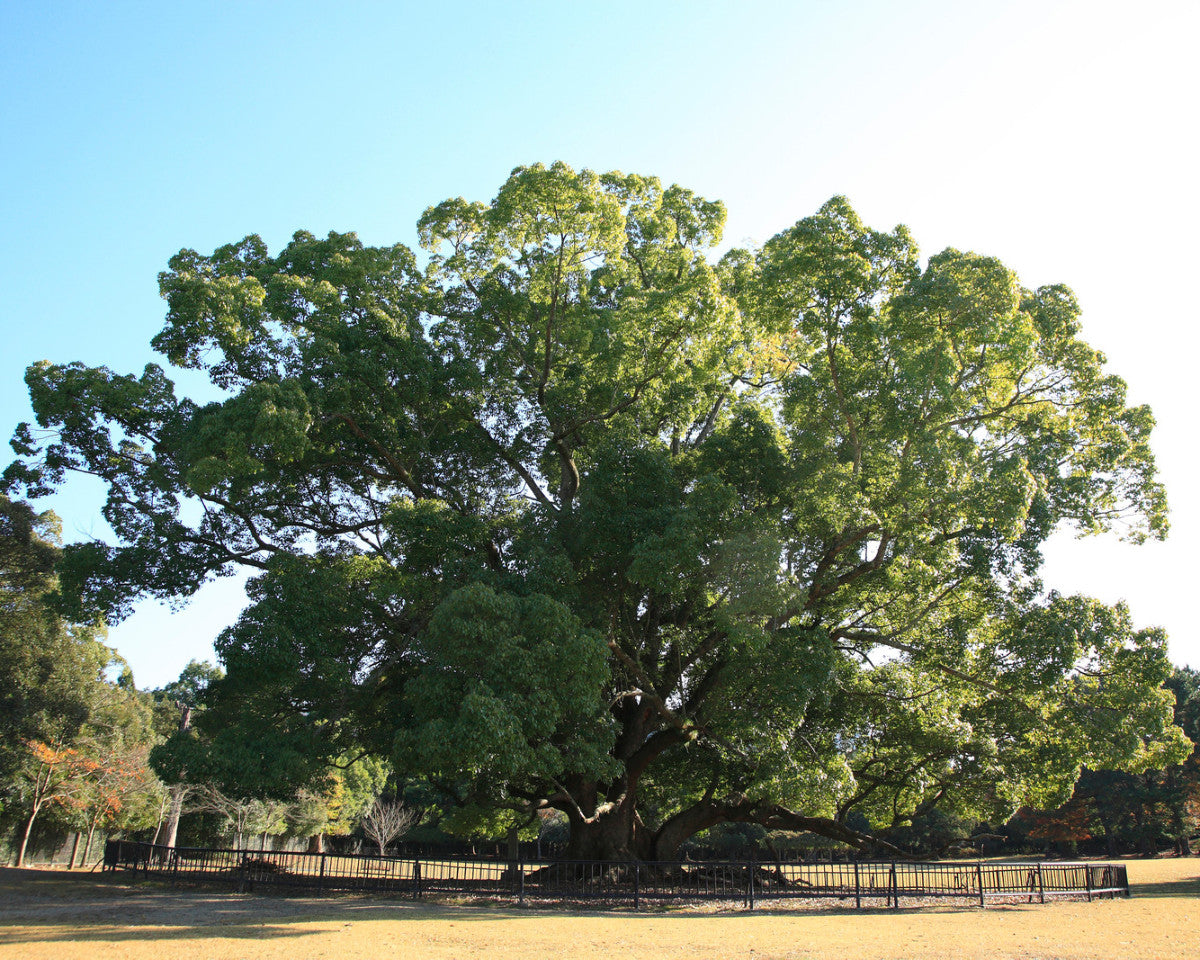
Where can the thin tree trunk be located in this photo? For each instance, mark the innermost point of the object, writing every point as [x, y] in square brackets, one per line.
[162, 815]
[87, 847]
[25, 836]
[74, 850]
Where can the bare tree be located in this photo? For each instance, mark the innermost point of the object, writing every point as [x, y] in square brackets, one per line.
[242, 817]
[384, 822]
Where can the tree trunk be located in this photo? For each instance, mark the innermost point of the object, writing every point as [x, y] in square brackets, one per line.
[87, 847]
[75, 850]
[616, 834]
[25, 836]
[179, 791]
[316, 843]
[514, 845]
[177, 794]
[162, 816]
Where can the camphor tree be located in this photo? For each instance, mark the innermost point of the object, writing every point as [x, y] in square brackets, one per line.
[574, 518]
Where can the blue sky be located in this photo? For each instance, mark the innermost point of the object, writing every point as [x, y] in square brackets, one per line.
[1055, 135]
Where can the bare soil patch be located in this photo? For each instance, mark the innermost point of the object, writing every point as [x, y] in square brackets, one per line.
[61, 915]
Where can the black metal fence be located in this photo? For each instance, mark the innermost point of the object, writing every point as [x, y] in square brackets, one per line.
[745, 881]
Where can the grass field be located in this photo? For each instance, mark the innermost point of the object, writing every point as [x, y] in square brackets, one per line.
[55, 915]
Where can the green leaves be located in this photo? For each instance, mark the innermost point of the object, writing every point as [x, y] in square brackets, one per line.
[572, 516]
[508, 694]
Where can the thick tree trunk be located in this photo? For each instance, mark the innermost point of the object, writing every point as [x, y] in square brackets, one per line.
[608, 837]
[616, 834]
[316, 843]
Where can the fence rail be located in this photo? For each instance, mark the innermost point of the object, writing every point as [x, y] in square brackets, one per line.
[745, 881]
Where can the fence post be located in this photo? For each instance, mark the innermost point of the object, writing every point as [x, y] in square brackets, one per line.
[321, 878]
[416, 879]
[1041, 887]
[979, 881]
[893, 888]
[1087, 878]
[857, 889]
[753, 864]
[637, 883]
[521, 878]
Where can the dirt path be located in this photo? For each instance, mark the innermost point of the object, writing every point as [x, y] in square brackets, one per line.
[53, 914]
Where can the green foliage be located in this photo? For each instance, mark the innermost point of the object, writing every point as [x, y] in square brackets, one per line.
[53, 689]
[1138, 807]
[509, 695]
[50, 669]
[73, 743]
[575, 519]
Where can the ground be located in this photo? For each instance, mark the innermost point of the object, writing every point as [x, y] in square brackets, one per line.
[61, 915]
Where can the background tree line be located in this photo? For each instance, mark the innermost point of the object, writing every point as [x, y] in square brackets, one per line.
[78, 739]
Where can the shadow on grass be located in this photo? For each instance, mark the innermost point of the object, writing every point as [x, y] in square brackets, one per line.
[39, 906]
[1182, 887]
[47, 906]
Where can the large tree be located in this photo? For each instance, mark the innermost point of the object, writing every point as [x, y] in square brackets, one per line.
[574, 517]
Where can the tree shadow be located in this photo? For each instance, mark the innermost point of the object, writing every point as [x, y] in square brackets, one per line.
[50, 906]
[40, 906]
[1181, 887]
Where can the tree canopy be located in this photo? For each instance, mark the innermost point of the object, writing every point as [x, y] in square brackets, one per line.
[575, 517]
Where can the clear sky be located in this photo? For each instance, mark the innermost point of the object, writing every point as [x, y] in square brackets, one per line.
[1058, 136]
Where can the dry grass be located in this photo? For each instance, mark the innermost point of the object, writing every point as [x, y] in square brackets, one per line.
[63, 916]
